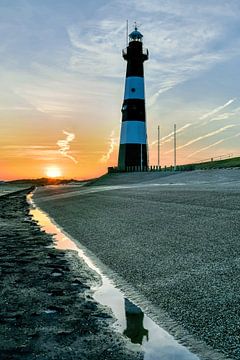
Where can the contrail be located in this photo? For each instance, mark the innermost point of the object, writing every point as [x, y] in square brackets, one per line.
[214, 111]
[154, 97]
[206, 147]
[177, 132]
[203, 137]
[214, 144]
[225, 115]
[112, 143]
[166, 138]
[64, 146]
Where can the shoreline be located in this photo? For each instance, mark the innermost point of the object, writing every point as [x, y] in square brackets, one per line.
[47, 306]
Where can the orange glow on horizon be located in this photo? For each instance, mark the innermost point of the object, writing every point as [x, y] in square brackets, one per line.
[23, 160]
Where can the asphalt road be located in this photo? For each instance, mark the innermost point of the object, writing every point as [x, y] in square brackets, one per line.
[175, 239]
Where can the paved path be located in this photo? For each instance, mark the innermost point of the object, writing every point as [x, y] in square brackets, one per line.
[176, 240]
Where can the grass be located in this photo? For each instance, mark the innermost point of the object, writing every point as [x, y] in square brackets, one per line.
[217, 164]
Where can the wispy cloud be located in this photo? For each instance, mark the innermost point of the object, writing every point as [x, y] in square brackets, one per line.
[64, 146]
[46, 154]
[169, 137]
[16, 108]
[97, 48]
[30, 147]
[185, 8]
[176, 69]
[216, 110]
[36, 152]
[225, 115]
[112, 143]
[173, 60]
[206, 148]
[214, 144]
[199, 138]
[167, 84]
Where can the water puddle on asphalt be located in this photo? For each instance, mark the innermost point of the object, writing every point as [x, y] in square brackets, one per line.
[144, 333]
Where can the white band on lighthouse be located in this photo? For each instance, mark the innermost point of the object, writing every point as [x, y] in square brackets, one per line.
[134, 88]
[133, 132]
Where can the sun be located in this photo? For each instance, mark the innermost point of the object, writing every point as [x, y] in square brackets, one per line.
[53, 171]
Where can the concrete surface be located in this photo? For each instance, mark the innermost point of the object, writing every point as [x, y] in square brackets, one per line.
[175, 239]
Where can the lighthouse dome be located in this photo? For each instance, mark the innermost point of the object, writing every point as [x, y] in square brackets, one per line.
[135, 35]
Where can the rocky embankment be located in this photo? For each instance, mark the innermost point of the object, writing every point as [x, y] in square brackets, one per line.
[47, 311]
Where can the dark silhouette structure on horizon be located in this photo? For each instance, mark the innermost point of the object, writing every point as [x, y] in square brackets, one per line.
[133, 149]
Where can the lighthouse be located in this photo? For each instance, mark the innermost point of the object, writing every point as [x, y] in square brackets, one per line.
[133, 149]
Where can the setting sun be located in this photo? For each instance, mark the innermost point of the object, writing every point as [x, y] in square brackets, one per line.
[53, 172]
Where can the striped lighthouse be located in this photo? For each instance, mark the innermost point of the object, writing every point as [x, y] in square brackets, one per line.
[133, 149]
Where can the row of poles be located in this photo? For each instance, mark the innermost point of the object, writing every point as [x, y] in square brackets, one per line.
[174, 146]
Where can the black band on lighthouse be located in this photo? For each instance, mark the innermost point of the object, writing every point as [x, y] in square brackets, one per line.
[133, 109]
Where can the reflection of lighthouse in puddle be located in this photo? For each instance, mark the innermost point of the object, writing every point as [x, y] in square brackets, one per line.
[134, 317]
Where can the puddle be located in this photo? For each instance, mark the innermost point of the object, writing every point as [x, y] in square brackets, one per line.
[49, 311]
[142, 332]
[56, 274]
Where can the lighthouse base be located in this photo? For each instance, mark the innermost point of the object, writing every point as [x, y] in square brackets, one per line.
[131, 155]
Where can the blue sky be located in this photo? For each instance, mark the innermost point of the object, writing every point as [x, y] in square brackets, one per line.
[61, 70]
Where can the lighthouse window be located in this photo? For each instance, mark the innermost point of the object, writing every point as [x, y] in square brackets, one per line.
[133, 89]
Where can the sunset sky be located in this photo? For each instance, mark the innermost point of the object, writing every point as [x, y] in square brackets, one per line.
[62, 82]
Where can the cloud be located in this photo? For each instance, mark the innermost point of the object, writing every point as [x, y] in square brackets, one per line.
[219, 117]
[212, 133]
[214, 144]
[169, 82]
[15, 108]
[64, 146]
[176, 68]
[37, 153]
[216, 110]
[25, 147]
[96, 50]
[182, 48]
[112, 143]
[225, 115]
[206, 147]
[179, 53]
[187, 8]
[169, 137]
